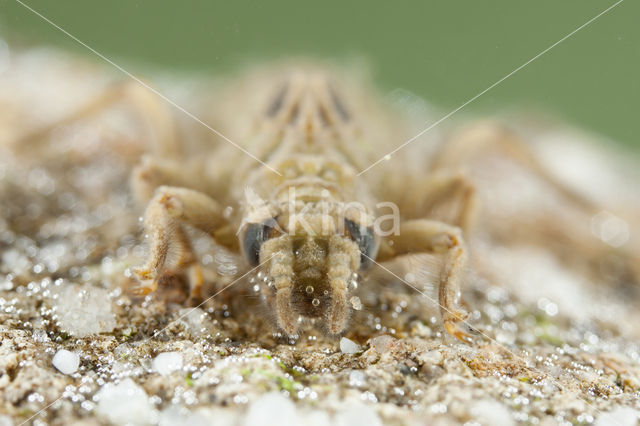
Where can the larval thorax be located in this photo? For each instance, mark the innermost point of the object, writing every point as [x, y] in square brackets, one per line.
[311, 215]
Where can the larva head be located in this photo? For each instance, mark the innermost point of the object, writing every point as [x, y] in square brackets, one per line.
[310, 260]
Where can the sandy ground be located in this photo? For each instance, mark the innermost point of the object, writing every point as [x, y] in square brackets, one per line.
[552, 344]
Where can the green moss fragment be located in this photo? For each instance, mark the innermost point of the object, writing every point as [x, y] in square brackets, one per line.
[552, 340]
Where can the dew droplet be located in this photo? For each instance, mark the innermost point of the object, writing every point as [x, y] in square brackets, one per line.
[227, 212]
[309, 289]
[315, 302]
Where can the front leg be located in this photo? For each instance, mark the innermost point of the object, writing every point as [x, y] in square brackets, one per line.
[429, 236]
[170, 209]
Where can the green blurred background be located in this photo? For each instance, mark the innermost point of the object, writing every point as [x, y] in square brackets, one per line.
[444, 51]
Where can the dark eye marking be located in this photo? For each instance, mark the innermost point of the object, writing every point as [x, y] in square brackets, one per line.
[365, 238]
[253, 236]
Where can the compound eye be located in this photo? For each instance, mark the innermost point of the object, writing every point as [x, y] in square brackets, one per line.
[252, 238]
[365, 237]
